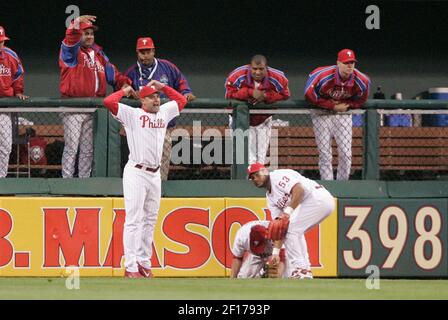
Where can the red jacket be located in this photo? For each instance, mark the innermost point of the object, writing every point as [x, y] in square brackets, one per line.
[325, 88]
[78, 70]
[240, 86]
[11, 73]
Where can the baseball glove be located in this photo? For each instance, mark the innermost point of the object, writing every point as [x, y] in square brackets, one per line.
[271, 271]
[277, 228]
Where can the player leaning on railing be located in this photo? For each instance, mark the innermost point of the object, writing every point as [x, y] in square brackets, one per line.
[11, 85]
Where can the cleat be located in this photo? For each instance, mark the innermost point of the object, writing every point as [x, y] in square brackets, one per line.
[300, 274]
[132, 275]
[145, 272]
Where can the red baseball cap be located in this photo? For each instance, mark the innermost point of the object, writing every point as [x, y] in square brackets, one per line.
[258, 239]
[147, 91]
[255, 167]
[346, 55]
[3, 36]
[145, 43]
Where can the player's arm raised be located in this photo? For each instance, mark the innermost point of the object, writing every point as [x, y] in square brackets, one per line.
[111, 101]
[170, 93]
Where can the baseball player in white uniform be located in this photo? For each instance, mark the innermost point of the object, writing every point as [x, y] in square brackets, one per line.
[145, 132]
[298, 202]
[251, 250]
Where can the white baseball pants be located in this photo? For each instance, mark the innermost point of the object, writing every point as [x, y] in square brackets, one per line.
[338, 126]
[5, 142]
[142, 192]
[315, 208]
[252, 266]
[259, 138]
[78, 133]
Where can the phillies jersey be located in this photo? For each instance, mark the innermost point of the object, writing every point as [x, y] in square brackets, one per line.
[145, 131]
[161, 70]
[85, 72]
[11, 73]
[240, 86]
[241, 243]
[282, 182]
[325, 88]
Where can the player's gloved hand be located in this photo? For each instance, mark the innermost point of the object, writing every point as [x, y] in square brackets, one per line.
[271, 271]
[277, 228]
[274, 260]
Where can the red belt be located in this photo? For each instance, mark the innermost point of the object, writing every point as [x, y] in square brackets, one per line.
[139, 166]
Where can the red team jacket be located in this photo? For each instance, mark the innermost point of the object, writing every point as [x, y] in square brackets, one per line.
[78, 71]
[240, 86]
[324, 87]
[11, 73]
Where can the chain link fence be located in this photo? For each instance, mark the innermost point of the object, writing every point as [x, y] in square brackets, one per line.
[33, 141]
[413, 144]
[318, 144]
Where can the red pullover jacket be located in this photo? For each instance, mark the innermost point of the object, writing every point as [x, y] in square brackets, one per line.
[78, 69]
[11, 73]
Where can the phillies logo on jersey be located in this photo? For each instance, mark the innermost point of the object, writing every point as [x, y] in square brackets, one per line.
[338, 94]
[94, 65]
[37, 153]
[281, 203]
[147, 123]
[4, 71]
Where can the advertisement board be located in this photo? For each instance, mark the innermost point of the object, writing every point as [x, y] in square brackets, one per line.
[192, 237]
[396, 237]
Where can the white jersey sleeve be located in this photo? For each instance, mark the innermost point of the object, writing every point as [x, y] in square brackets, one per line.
[125, 115]
[239, 246]
[170, 110]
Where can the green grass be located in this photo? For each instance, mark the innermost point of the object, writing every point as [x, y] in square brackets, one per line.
[219, 288]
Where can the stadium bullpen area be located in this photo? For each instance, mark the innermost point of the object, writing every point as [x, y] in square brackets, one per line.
[380, 235]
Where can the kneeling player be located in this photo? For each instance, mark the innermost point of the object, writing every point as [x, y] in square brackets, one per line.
[252, 252]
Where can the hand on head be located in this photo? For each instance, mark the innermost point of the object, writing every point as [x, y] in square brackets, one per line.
[156, 84]
[86, 19]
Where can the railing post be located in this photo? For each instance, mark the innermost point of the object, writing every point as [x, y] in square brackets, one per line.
[240, 128]
[100, 143]
[371, 145]
[113, 148]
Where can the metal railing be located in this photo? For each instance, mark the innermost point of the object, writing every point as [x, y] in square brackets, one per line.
[108, 149]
